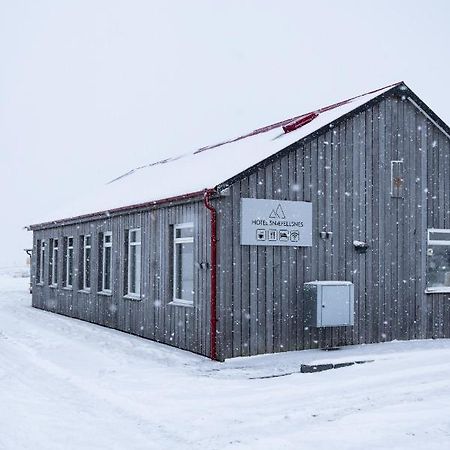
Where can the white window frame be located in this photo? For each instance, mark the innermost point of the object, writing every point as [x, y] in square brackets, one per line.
[104, 246]
[41, 256]
[136, 294]
[54, 267]
[438, 289]
[178, 241]
[85, 247]
[68, 247]
[439, 241]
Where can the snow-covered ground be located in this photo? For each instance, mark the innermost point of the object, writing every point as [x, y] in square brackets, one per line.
[66, 384]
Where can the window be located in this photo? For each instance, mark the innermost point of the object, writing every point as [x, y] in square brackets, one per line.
[438, 260]
[53, 262]
[134, 263]
[68, 261]
[85, 266]
[40, 261]
[183, 263]
[106, 252]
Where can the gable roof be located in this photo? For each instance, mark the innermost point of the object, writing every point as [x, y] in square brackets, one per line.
[211, 167]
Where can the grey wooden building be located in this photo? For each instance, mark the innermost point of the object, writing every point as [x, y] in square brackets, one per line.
[214, 251]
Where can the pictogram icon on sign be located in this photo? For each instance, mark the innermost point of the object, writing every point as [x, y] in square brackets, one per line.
[260, 235]
[295, 236]
[284, 235]
[273, 235]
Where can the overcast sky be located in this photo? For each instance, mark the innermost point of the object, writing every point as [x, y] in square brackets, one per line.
[90, 89]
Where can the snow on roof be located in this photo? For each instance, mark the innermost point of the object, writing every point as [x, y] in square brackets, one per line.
[206, 167]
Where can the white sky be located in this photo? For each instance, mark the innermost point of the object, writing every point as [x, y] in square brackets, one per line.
[90, 89]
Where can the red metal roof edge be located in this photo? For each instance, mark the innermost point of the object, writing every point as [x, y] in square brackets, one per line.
[257, 131]
[108, 212]
[287, 121]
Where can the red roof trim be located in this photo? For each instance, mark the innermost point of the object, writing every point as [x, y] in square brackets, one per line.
[287, 121]
[129, 208]
[258, 131]
[298, 123]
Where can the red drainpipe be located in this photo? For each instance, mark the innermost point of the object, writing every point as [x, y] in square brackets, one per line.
[213, 320]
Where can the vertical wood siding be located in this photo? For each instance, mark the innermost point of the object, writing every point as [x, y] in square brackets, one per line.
[346, 174]
[153, 316]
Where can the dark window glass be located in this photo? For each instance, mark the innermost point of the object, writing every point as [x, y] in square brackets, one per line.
[184, 271]
[87, 267]
[55, 262]
[70, 266]
[438, 267]
[38, 260]
[439, 236]
[41, 272]
[134, 262]
[185, 232]
[107, 268]
[68, 262]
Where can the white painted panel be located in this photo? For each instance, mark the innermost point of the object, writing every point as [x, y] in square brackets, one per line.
[276, 222]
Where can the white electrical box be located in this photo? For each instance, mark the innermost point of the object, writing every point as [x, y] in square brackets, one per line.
[328, 303]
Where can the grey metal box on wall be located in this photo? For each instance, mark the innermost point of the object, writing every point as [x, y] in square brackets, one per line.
[328, 303]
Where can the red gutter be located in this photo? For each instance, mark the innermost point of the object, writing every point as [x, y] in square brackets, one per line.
[213, 300]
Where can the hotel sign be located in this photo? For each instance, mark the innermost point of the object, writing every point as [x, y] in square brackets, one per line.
[276, 222]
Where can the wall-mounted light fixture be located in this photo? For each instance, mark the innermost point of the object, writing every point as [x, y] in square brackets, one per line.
[360, 246]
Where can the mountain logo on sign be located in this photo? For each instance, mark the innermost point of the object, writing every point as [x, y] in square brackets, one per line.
[277, 213]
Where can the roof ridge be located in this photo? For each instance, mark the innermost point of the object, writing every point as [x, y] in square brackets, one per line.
[283, 123]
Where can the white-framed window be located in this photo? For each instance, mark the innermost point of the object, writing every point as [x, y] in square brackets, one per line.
[438, 260]
[134, 263]
[85, 267]
[68, 261]
[40, 261]
[183, 263]
[106, 252]
[53, 262]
